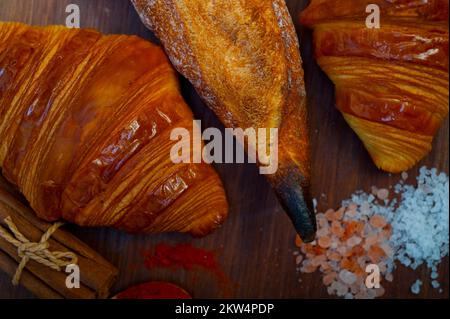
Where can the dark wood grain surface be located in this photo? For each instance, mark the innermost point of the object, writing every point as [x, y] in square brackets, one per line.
[255, 246]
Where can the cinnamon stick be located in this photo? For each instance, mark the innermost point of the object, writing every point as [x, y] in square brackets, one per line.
[28, 280]
[96, 274]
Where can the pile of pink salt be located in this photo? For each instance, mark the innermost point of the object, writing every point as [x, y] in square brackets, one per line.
[348, 240]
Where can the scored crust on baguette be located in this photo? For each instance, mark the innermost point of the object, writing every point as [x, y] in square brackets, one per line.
[85, 123]
[243, 59]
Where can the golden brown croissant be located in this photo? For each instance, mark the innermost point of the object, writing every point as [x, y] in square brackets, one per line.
[392, 82]
[85, 122]
[243, 59]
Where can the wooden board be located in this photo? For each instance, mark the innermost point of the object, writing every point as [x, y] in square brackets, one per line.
[255, 245]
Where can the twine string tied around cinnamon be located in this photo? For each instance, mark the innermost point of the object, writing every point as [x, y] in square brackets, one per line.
[37, 251]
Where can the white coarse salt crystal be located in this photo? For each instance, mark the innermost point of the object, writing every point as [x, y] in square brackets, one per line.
[341, 289]
[347, 277]
[355, 288]
[365, 208]
[331, 290]
[389, 277]
[388, 250]
[415, 288]
[435, 284]
[420, 223]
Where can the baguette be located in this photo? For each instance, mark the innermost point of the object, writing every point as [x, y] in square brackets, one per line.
[243, 59]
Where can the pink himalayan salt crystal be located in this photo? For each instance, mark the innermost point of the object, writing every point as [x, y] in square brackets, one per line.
[405, 176]
[339, 214]
[378, 221]
[308, 269]
[329, 278]
[382, 237]
[353, 241]
[379, 291]
[387, 249]
[383, 194]
[341, 250]
[318, 260]
[324, 242]
[323, 223]
[329, 214]
[352, 210]
[324, 266]
[324, 231]
[334, 256]
[371, 240]
[336, 228]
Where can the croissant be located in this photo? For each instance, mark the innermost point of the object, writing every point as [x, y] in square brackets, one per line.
[243, 59]
[85, 122]
[391, 83]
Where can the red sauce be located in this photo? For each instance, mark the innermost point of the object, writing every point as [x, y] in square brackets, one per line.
[154, 290]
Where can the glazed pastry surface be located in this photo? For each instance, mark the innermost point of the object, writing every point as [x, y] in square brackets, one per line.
[391, 83]
[85, 123]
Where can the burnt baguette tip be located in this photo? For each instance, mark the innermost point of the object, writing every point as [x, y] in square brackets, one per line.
[296, 201]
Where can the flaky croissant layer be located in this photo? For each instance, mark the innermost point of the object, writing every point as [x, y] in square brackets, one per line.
[85, 122]
[391, 83]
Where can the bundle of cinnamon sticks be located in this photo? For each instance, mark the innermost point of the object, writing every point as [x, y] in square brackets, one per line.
[96, 274]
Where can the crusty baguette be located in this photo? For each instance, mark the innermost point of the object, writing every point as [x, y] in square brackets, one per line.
[85, 123]
[243, 59]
